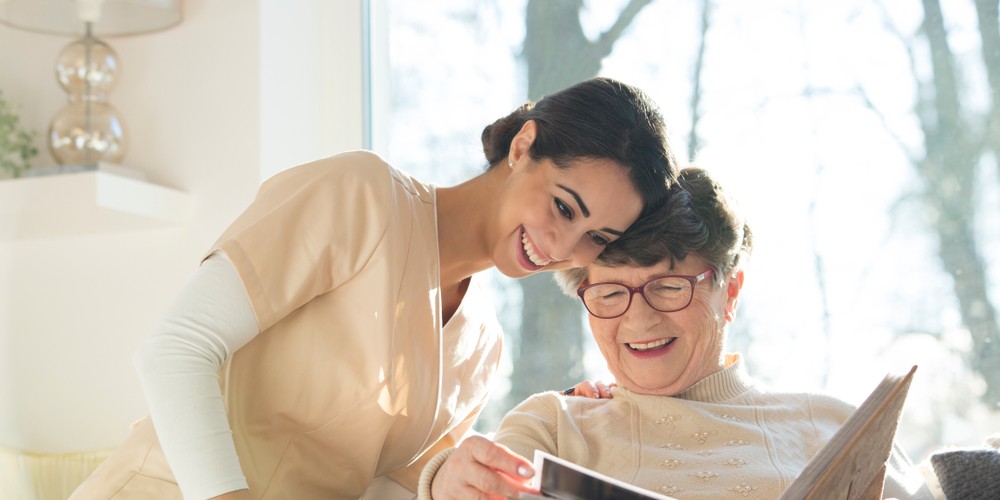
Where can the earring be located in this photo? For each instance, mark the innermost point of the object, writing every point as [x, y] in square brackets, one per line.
[510, 163]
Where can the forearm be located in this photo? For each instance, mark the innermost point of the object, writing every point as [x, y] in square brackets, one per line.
[178, 365]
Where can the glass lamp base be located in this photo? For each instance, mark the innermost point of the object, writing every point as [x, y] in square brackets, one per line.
[87, 132]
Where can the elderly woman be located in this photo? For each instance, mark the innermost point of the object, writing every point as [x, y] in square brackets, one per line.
[685, 420]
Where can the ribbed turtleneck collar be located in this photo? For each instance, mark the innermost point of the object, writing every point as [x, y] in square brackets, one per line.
[723, 385]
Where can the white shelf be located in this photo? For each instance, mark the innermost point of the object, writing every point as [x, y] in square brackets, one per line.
[90, 200]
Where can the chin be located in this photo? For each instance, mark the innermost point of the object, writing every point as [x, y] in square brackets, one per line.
[559, 266]
[513, 270]
[657, 387]
[517, 275]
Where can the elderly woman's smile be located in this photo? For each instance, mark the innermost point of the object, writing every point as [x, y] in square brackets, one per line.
[654, 347]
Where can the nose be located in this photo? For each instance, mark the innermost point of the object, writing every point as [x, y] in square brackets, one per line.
[640, 315]
[562, 245]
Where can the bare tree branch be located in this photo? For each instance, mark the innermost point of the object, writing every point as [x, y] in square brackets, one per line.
[904, 40]
[819, 269]
[948, 169]
[607, 39]
[859, 92]
[556, 50]
[987, 13]
[943, 61]
[819, 263]
[862, 94]
[694, 141]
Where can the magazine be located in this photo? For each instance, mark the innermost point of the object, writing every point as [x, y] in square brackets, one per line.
[850, 466]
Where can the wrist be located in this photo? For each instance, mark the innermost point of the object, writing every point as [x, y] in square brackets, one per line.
[430, 470]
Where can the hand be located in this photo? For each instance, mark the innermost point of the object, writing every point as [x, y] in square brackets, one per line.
[591, 389]
[482, 469]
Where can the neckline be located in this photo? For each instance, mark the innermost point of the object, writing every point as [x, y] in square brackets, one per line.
[724, 385]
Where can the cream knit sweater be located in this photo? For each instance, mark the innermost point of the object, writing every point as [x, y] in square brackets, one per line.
[722, 438]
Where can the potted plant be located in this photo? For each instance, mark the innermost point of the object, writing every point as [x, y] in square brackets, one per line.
[16, 143]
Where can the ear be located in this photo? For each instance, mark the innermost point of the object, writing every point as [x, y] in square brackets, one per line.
[733, 295]
[522, 142]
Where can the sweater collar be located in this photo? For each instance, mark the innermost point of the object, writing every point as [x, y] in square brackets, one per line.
[730, 382]
[723, 385]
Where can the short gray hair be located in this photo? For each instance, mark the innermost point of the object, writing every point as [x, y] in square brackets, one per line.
[698, 218]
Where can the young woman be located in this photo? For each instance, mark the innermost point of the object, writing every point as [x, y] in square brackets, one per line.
[343, 312]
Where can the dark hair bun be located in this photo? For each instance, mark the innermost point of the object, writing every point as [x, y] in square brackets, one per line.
[498, 135]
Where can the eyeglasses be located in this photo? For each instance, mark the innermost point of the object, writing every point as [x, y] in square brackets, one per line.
[665, 294]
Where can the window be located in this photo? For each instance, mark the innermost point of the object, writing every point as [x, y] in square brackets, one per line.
[867, 168]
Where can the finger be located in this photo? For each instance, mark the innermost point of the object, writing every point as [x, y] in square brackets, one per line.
[603, 391]
[586, 389]
[498, 457]
[489, 482]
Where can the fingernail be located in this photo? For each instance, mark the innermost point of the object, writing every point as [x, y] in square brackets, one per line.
[525, 472]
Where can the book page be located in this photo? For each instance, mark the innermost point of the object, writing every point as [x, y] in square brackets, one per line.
[852, 464]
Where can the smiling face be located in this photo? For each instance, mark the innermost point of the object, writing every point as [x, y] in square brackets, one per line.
[555, 218]
[652, 352]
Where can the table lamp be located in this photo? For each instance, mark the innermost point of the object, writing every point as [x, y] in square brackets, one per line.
[88, 129]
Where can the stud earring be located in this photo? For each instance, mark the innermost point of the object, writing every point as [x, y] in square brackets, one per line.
[510, 163]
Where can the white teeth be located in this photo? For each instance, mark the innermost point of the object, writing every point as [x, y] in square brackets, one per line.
[650, 345]
[531, 252]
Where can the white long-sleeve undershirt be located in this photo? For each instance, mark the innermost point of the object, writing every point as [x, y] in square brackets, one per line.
[178, 365]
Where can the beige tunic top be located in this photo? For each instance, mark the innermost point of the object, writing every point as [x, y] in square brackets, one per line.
[352, 375]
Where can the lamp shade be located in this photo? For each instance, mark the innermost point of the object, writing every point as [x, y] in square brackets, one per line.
[108, 17]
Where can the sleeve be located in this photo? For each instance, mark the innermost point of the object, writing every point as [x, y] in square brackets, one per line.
[903, 479]
[411, 475]
[532, 425]
[310, 228]
[430, 470]
[178, 365]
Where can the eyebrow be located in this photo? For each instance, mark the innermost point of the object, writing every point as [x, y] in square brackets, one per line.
[586, 211]
[579, 201]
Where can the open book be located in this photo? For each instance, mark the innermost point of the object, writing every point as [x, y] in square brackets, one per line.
[850, 466]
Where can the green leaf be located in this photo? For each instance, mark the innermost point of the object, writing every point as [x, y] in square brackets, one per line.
[16, 142]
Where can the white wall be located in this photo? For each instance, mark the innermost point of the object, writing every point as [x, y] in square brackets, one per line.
[239, 90]
[310, 82]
